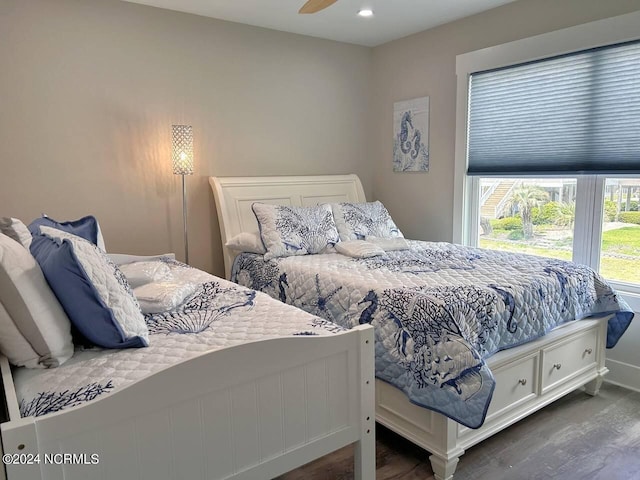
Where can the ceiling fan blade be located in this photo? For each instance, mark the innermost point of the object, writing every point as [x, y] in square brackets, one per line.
[313, 6]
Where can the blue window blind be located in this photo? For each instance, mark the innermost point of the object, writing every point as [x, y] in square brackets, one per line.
[577, 113]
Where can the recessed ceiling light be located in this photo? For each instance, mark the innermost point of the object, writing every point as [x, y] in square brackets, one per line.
[365, 12]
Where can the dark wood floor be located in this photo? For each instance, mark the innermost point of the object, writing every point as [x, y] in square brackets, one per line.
[577, 437]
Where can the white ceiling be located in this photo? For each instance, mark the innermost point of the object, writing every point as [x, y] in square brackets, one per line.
[392, 18]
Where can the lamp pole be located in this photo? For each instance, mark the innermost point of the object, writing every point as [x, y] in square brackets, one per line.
[184, 220]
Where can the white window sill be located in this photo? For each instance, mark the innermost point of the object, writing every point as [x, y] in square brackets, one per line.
[632, 298]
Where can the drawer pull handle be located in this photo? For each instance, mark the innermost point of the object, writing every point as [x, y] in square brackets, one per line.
[588, 351]
[522, 381]
[557, 366]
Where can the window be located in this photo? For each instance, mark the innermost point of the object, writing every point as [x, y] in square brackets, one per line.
[549, 207]
[548, 150]
[528, 215]
[620, 246]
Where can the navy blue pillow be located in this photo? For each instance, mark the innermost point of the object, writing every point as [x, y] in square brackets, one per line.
[77, 294]
[86, 227]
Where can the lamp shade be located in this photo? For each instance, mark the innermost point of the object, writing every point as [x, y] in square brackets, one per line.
[182, 149]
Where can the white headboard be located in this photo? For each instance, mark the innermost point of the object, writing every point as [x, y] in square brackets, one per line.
[235, 195]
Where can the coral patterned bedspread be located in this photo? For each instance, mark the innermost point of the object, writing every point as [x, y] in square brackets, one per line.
[440, 310]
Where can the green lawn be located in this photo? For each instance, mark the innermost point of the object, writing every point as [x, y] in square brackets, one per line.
[620, 269]
[524, 248]
[625, 241]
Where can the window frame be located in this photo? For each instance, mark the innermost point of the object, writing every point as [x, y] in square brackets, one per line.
[590, 188]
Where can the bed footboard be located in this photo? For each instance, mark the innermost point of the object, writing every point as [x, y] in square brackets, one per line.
[528, 377]
[252, 411]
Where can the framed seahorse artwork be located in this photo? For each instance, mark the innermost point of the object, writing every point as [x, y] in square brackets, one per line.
[411, 135]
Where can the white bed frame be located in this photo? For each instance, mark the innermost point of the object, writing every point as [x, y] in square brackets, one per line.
[252, 412]
[527, 377]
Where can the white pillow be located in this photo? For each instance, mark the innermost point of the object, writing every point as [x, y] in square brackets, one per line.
[14, 228]
[356, 221]
[246, 242]
[123, 258]
[389, 244]
[161, 297]
[14, 346]
[33, 308]
[287, 230]
[100, 244]
[358, 249]
[141, 273]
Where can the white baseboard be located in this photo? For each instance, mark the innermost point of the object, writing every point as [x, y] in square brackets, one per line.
[623, 374]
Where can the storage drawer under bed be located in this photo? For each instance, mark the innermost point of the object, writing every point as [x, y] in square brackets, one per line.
[568, 358]
[515, 383]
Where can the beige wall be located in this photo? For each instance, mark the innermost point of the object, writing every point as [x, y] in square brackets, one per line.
[424, 64]
[89, 90]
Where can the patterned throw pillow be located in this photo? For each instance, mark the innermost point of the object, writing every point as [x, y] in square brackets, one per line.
[288, 231]
[356, 221]
[91, 288]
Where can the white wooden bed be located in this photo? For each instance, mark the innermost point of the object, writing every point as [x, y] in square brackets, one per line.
[528, 377]
[251, 411]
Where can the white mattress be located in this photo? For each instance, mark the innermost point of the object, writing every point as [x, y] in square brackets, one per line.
[233, 314]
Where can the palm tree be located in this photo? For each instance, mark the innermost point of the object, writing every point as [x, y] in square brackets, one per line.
[524, 199]
[566, 215]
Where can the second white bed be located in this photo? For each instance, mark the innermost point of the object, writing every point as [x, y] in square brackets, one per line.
[233, 385]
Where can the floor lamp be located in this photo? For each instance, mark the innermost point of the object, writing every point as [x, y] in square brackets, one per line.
[182, 157]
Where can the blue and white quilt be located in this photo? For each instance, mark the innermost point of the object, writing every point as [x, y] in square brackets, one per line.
[440, 310]
[219, 314]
